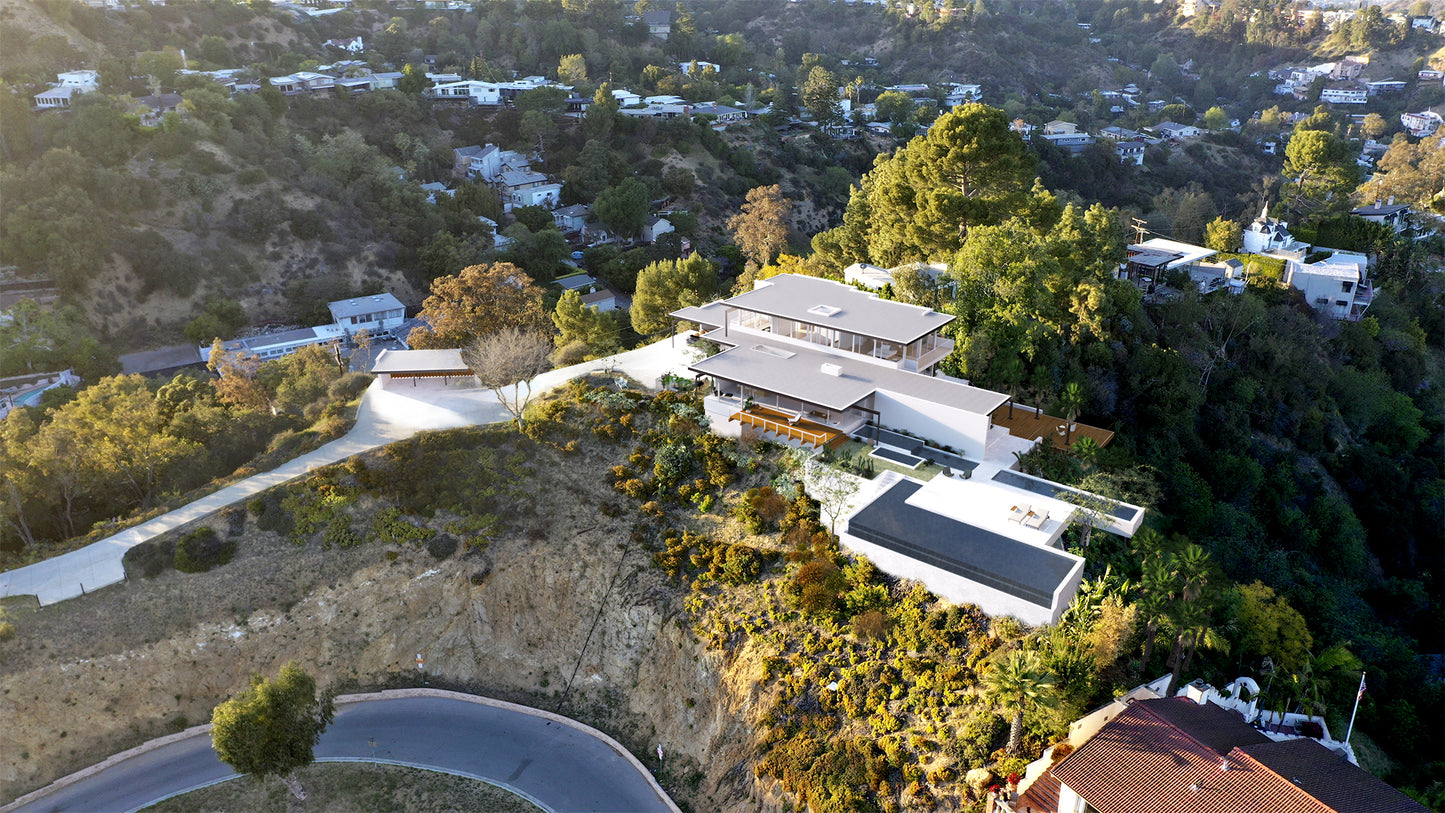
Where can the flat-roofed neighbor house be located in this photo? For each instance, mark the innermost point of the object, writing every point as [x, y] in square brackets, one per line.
[267, 346]
[1346, 94]
[373, 314]
[812, 362]
[1337, 286]
[1421, 124]
[1170, 129]
[68, 85]
[1148, 261]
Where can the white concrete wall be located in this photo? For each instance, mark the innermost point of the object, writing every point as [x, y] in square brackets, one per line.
[952, 587]
[719, 417]
[965, 431]
[1069, 802]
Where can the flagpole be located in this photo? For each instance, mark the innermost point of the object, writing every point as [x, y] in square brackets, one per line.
[1358, 695]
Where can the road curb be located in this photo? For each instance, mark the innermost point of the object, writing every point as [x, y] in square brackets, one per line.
[110, 761]
[528, 710]
[354, 699]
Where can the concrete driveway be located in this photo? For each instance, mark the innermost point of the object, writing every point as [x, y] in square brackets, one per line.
[557, 763]
[386, 415]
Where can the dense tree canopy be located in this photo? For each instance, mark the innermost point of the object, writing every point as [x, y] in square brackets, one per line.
[478, 300]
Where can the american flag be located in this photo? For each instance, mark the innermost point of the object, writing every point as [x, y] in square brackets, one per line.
[1361, 693]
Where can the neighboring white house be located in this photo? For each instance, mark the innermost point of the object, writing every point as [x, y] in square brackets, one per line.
[484, 94]
[572, 218]
[962, 94]
[275, 345]
[499, 240]
[1148, 262]
[373, 314]
[626, 98]
[351, 46]
[68, 85]
[1421, 124]
[80, 81]
[1130, 152]
[1389, 214]
[1169, 129]
[1266, 235]
[1345, 94]
[295, 84]
[1338, 286]
[654, 228]
[525, 187]
[867, 275]
[701, 66]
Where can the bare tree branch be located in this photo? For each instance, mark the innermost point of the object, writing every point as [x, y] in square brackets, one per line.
[505, 363]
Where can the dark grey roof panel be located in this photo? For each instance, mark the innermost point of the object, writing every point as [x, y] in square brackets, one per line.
[1025, 571]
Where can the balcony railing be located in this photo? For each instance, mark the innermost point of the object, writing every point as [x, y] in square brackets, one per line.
[793, 428]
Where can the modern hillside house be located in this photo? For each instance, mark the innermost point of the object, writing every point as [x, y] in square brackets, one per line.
[823, 359]
[814, 363]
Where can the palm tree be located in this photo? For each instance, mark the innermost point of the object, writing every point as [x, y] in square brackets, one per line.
[1154, 596]
[1017, 683]
[1191, 569]
[1087, 450]
[1071, 401]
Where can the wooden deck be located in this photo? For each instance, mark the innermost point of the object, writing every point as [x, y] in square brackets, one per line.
[1028, 425]
[809, 433]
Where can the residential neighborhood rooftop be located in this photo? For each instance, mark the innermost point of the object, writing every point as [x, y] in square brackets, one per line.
[1173, 755]
[800, 372]
[832, 304]
[1029, 572]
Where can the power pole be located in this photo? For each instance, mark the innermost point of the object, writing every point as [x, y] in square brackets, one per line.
[1139, 229]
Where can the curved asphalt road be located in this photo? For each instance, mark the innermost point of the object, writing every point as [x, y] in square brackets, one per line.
[558, 764]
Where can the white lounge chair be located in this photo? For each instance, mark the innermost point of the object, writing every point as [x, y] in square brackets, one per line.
[1018, 513]
[1035, 521]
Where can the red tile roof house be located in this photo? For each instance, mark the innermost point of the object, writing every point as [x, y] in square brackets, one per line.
[1172, 755]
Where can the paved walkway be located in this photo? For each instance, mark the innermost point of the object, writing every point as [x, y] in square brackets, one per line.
[385, 416]
[557, 763]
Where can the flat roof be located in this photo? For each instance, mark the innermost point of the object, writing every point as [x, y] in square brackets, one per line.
[1191, 253]
[342, 308]
[164, 358]
[798, 372]
[1029, 572]
[419, 361]
[795, 297]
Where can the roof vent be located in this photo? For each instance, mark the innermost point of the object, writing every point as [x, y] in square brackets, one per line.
[823, 310]
[1224, 765]
[833, 370]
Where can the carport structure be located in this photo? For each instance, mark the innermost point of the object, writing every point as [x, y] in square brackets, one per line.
[418, 364]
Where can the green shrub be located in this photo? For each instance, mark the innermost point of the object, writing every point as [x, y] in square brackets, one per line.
[147, 559]
[250, 176]
[340, 533]
[349, 387]
[200, 550]
[442, 546]
[7, 630]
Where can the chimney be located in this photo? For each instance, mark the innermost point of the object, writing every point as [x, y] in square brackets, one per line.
[1392, 200]
[833, 370]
